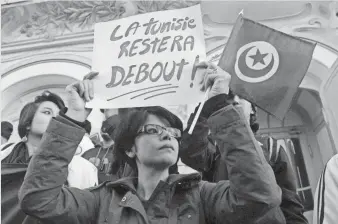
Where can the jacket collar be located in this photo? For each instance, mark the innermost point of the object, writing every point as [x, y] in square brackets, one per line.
[185, 181]
[131, 200]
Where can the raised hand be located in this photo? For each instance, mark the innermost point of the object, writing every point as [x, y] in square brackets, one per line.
[215, 78]
[78, 93]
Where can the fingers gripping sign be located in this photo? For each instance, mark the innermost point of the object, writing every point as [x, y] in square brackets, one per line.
[90, 75]
[78, 93]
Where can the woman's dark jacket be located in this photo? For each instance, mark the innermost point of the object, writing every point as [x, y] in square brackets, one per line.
[250, 192]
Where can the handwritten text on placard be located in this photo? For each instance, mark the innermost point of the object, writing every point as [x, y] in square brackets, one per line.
[149, 59]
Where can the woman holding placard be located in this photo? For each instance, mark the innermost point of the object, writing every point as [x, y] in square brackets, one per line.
[149, 140]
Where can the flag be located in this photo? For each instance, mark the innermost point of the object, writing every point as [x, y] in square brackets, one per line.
[266, 65]
[12, 176]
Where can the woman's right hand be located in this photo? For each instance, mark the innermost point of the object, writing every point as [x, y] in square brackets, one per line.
[214, 78]
[78, 94]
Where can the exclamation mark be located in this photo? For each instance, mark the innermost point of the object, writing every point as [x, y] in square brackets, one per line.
[194, 70]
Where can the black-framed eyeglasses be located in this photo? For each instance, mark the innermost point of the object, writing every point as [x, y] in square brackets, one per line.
[154, 129]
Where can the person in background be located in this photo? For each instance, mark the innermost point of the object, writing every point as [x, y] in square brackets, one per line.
[326, 195]
[33, 122]
[85, 145]
[81, 173]
[200, 152]
[108, 112]
[102, 156]
[149, 140]
[6, 131]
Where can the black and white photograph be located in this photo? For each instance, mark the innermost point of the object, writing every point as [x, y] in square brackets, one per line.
[169, 112]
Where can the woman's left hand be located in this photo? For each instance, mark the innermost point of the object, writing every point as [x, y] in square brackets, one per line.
[216, 78]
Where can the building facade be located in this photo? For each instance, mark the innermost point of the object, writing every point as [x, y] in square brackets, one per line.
[49, 44]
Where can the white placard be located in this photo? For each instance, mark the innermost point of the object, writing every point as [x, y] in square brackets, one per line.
[148, 59]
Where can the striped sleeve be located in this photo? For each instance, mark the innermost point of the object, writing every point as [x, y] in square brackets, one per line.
[273, 149]
[326, 196]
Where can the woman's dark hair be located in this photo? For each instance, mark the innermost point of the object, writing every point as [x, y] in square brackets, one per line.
[52, 97]
[28, 111]
[6, 129]
[129, 126]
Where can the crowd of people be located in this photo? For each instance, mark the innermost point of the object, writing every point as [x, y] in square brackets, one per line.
[132, 176]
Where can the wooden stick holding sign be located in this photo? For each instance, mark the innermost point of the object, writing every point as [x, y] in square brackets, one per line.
[193, 124]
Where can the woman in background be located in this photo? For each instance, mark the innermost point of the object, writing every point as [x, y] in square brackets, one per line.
[33, 122]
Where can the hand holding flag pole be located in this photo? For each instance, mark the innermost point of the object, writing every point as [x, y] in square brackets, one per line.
[215, 81]
[193, 124]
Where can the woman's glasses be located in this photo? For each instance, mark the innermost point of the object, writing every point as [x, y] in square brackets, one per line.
[154, 129]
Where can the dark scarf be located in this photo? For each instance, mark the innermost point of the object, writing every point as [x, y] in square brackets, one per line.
[19, 154]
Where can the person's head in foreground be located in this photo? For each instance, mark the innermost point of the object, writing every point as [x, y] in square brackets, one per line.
[148, 139]
[6, 131]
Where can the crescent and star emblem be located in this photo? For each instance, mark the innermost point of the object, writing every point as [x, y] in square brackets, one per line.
[256, 62]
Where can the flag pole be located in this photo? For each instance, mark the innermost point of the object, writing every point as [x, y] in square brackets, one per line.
[193, 124]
